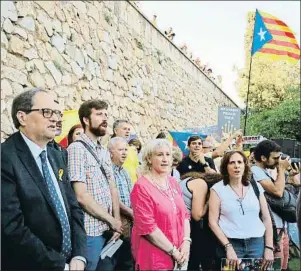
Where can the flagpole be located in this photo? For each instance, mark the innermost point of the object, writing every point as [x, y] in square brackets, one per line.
[248, 91]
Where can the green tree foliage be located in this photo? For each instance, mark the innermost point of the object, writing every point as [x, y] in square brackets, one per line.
[281, 121]
[269, 79]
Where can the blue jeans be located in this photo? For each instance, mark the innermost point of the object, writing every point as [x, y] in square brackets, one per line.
[248, 248]
[244, 248]
[95, 245]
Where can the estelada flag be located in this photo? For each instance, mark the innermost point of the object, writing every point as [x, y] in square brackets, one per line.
[181, 139]
[274, 39]
[70, 118]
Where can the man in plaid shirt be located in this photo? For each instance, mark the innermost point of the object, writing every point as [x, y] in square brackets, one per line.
[118, 148]
[94, 186]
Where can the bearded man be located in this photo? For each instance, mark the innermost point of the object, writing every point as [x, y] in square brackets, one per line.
[92, 177]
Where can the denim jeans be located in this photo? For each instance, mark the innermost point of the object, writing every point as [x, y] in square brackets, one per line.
[94, 246]
[248, 248]
[245, 248]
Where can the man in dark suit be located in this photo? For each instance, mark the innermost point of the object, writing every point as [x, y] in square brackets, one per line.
[42, 225]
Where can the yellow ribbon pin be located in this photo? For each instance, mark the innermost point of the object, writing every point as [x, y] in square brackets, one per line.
[61, 172]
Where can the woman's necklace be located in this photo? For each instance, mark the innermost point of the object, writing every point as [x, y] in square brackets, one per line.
[166, 190]
[240, 199]
[242, 192]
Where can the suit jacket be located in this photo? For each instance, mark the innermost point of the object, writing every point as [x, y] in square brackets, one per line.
[61, 149]
[31, 232]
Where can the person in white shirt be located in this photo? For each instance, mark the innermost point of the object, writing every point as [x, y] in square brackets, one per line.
[269, 170]
[234, 214]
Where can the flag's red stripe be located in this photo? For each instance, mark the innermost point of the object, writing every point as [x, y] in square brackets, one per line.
[272, 21]
[282, 33]
[284, 43]
[277, 52]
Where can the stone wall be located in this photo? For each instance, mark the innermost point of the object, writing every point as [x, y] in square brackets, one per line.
[108, 50]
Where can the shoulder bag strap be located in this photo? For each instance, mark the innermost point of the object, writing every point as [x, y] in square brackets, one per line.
[276, 237]
[95, 157]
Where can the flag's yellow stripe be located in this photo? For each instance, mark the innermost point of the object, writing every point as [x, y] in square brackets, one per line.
[263, 14]
[278, 27]
[282, 48]
[283, 38]
[276, 57]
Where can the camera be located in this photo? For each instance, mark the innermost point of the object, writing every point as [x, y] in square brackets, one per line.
[283, 156]
[295, 162]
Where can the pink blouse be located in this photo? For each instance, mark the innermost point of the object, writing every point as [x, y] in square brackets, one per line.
[153, 209]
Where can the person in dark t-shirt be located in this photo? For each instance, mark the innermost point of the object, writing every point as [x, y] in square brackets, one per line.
[196, 161]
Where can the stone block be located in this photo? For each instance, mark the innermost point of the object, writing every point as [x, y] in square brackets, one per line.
[112, 62]
[57, 76]
[6, 88]
[16, 45]
[39, 64]
[14, 75]
[80, 6]
[21, 32]
[77, 70]
[3, 55]
[57, 25]
[49, 81]
[37, 80]
[58, 42]
[31, 54]
[4, 41]
[44, 19]
[27, 23]
[8, 10]
[8, 27]
[48, 6]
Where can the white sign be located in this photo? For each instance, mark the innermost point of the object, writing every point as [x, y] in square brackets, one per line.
[252, 140]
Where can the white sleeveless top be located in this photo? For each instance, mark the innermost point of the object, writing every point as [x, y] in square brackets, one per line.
[232, 221]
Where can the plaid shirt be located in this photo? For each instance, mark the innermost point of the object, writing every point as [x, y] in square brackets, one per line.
[124, 184]
[84, 168]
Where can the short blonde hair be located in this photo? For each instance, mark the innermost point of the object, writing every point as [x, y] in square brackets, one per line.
[176, 154]
[148, 150]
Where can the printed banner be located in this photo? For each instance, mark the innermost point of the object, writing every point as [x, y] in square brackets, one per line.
[228, 120]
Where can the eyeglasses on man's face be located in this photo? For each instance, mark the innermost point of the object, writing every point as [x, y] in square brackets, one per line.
[46, 112]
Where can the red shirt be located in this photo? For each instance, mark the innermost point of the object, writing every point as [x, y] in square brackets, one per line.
[153, 209]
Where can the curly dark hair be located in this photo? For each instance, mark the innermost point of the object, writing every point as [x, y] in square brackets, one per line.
[85, 109]
[265, 148]
[246, 177]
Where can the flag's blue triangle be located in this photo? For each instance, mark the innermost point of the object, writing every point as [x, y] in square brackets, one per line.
[181, 139]
[261, 34]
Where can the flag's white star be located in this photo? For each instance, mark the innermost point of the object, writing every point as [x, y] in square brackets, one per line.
[261, 33]
[185, 142]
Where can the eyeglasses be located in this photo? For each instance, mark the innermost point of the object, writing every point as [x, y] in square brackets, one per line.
[241, 209]
[46, 112]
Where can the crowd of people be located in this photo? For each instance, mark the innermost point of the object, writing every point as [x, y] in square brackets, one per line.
[170, 34]
[61, 207]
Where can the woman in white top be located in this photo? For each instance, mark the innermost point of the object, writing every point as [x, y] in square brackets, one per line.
[234, 214]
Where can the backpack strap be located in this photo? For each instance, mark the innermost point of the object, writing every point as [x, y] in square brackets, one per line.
[276, 237]
[95, 157]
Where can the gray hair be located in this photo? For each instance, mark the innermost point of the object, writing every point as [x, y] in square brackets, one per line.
[149, 149]
[115, 140]
[117, 123]
[23, 102]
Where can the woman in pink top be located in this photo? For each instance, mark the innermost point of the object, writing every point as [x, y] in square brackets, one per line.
[161, 231]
